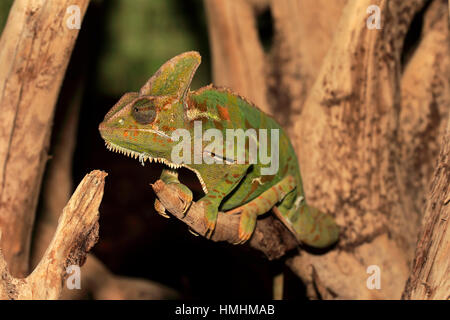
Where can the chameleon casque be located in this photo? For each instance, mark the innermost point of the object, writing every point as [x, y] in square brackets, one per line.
[141, 123]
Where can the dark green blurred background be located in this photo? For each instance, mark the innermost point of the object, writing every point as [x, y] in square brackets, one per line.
[120, 45]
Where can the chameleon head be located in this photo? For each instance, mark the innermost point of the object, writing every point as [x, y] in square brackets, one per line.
[141, 123]
[139, 127]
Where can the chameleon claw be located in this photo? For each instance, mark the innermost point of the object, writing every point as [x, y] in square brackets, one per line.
[246, 227]
[210, 212]
[160, 209]
[243, 238]
[193, 232]
[210, 226]
[183, 193]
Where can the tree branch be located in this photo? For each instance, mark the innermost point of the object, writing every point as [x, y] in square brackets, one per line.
[270, 236]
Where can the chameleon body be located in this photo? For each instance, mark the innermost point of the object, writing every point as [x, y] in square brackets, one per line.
[141, 125]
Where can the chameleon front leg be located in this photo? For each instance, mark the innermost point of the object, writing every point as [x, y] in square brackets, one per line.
[211, 201]
[170, 177]
[260, 205]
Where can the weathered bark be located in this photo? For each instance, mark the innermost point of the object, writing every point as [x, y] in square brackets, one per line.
[35, 48]
[277, 82]
[430, 274]
[303, 33]
[77, 232]
[348, 129]
[425, 107]
[365, 155]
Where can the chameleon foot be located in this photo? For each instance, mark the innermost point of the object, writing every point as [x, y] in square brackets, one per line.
[210, 217]
[184, 194]
[210, 226]
[247, 225]
[193, 232]
[170, 178]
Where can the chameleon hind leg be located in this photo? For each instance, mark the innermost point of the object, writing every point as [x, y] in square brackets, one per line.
[308, 224]
[260, 205]
[170, 177]
[211, 201]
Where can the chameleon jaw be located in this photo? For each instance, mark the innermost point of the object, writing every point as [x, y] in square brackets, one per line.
[142, 156]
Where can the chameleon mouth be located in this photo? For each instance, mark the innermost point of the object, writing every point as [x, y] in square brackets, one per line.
[142, 156]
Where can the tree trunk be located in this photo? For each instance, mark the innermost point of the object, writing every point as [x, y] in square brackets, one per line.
[35, 49]
[366, 126]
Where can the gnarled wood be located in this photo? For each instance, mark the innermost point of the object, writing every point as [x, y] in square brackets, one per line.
[348, 146]
[338, 87]
[75, 235]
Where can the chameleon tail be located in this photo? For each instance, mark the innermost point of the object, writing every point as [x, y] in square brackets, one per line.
[315, 228]
[310, 226]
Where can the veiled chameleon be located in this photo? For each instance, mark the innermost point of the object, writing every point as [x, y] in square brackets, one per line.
[142, 124]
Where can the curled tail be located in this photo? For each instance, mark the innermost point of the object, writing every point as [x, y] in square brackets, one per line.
[310, 226]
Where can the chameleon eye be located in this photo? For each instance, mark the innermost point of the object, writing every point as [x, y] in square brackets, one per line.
[144, 111]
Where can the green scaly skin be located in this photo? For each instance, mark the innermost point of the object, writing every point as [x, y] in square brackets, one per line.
[140, 125]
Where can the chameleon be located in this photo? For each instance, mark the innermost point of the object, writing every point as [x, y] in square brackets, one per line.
[141, 125]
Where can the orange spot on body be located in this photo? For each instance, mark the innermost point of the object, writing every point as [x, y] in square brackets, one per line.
[223, 112]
